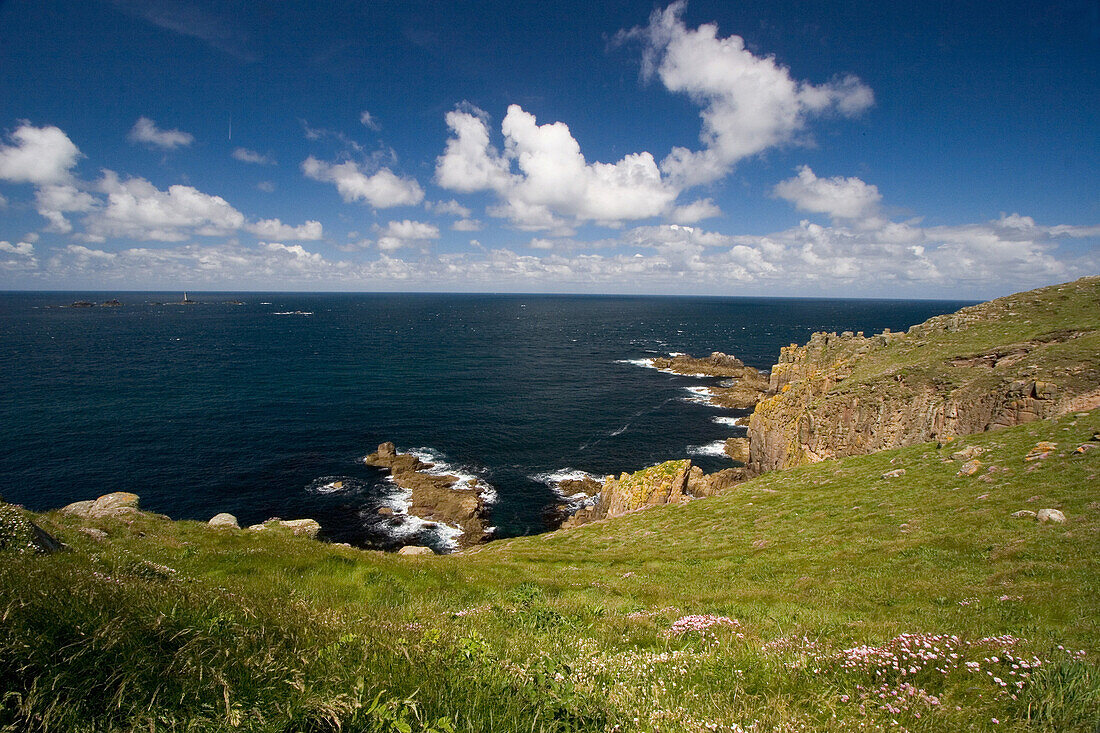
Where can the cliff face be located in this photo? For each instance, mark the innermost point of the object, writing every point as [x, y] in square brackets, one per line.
[1025, 357]
[672, 482]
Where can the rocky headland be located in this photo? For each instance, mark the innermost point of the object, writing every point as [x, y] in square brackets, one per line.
[434, 497]
[1025, 357]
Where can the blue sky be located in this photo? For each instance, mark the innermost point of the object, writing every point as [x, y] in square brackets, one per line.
[748, 148]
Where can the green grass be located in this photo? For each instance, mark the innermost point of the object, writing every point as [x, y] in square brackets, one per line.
[176, 626]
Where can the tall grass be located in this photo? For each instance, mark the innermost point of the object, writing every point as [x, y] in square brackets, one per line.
[173, 626]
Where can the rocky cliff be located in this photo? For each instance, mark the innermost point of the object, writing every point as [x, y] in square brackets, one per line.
[672, 482]
[1025, 357]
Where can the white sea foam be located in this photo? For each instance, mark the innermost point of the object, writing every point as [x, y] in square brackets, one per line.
[650, 364]
[467, 481]
[574, 502]
[407, 526]
[739, 422]
[717, 448]
[701, 395]
[554, 479]
[333, 484]
[294, 313]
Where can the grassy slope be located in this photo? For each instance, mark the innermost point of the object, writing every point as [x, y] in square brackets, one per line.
[172, 625]
[1033, 315]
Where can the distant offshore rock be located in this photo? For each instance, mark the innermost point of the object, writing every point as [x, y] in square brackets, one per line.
[435, 497]
[746, 386]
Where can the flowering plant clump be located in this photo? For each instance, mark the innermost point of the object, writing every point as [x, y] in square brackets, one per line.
[703, 624]
[910, 672]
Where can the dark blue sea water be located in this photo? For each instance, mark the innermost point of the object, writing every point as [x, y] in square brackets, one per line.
[216, 407]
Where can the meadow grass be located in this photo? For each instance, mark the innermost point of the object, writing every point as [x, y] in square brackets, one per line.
[827, 598]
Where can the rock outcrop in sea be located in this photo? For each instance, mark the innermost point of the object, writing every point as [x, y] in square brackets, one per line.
[437, 498]
[743, 388]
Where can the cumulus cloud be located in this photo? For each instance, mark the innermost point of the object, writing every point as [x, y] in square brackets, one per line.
[251, 156]
[22, 249]
[470, 162]
[749, 103]
[695, 211]
[295, 254]
[451, 207]
[839, 198]
[466, 225]
[137, 209]
[146, 131]
[382, 189]
[398, 234]
[275, 229]
[38, 155]
[17, 259]
[554, 185]
[55, 200]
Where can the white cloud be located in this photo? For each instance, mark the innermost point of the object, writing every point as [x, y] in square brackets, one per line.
[139, 210]
[55, 200]
[251, 156]
[23, 249]
[750, 103]
[398, 234]
[466, 225]
[3, 202]
[840, 198]
[555, 185]
[383, 189]
[275, 229]
[695, 211]
[451, 207]
[891, 259]
[266, 186]
[38, 155]
[407, 229]
[293, 253]
[470, 163]
[368, 120]
[146, 131]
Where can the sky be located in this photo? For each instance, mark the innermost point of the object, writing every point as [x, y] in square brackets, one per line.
[759, 147]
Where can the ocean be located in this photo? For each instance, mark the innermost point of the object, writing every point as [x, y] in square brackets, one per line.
[266, 408]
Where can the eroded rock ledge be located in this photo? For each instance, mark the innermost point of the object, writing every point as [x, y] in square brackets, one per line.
[436, 498]
[744, 388]
[672, 482]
